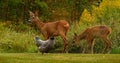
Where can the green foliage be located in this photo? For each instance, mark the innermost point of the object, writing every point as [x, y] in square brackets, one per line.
[109, 14]
[11, 41]
[62, 9]
[115, 50]
[18, 10]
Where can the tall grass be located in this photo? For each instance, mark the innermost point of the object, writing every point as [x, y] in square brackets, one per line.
[13, 41]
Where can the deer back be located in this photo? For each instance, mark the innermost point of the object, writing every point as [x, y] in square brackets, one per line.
[99, 30]
[54, 28]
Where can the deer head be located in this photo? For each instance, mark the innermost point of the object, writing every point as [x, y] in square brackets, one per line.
[33, 17]
[75, 40]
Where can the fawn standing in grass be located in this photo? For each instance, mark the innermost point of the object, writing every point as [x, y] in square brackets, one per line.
[90, 34]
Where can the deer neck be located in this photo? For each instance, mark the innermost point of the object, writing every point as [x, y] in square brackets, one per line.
[84, 34]
[81, 36]
[39, 24]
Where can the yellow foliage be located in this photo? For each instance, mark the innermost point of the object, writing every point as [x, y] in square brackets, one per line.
[86, 16]
[99, 10]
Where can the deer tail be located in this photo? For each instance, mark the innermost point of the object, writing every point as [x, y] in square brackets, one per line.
[110, 30]
[66, 25]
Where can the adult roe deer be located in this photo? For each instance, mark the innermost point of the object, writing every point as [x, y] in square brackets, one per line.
[90, 34]
[57, 28]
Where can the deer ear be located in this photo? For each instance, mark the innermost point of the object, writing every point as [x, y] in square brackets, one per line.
[31, 13]
[36, 13]
[75, 34]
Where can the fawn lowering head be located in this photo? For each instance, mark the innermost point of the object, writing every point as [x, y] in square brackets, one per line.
[94, 32]
[75, 40]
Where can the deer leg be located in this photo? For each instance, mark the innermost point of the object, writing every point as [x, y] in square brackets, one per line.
[45, 35]
[88, 41]
[104, 48]
[84, 49]
[85, 46]
[105, 45]
[92, 45]
[108, 45]
[63, 36]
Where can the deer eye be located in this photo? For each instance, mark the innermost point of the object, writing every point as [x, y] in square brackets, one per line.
[33, 17]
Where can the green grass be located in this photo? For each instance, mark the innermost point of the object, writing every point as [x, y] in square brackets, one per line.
[58, 58]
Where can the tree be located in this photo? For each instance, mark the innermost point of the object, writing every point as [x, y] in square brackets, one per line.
[49, 9]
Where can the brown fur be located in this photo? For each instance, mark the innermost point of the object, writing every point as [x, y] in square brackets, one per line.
[51, 29]
[91, 33]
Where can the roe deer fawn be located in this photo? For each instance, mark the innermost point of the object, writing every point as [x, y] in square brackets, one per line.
[90, 34]
[56, 28]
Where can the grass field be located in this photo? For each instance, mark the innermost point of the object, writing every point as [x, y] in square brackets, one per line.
[58, 58]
